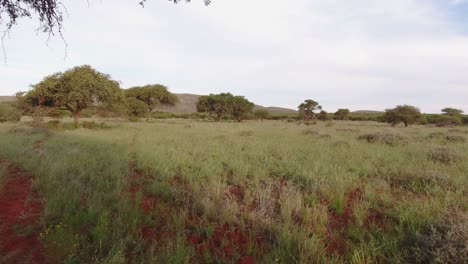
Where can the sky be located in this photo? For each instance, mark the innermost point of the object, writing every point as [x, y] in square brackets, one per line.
[356, 54]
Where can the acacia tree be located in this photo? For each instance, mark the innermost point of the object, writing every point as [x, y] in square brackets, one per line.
[452, 111]
[323, 115]
[75, 90]
[406, 114]
[240, 107]
[217, 105]
[152, 96]
[342, 114]
[308, 108]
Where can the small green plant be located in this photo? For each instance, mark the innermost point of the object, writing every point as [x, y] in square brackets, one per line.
[60, 243]
[160, 189]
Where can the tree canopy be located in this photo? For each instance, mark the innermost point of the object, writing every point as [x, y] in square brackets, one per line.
[342, 114]
[240, 107]
[75, 90]
[261, 114]
[452, 111]
[152, 96]
[308, 108]
[223, 104]
[406, 114]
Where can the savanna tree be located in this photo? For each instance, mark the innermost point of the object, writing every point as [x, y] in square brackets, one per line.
[405, 114]
[217, 105]
[136, 108]
[240, 107]
[323, 115]
[452, 111]
[308, 108]
[342, 114]
[152, 96]
[75, 90]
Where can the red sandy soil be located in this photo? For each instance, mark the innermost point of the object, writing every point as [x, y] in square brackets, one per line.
[226, 243]
[338, 225]
[20, 212]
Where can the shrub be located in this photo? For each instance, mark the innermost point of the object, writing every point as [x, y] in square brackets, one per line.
[444, 155]
[455, 139]
[417, 180]
[9, 113]
[445, 242]
[465, 120]
[261, 114]
[384, 138]
[445, 120]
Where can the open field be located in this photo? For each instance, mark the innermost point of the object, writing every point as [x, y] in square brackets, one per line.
[182, 191]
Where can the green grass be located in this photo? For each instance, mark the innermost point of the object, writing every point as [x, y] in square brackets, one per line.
[293, 179]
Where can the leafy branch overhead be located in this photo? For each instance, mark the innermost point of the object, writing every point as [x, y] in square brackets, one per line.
[49, 13]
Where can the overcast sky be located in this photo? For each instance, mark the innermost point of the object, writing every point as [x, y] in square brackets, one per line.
[357, 54]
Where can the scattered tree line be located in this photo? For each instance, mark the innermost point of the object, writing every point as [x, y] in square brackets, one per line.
[84, 92]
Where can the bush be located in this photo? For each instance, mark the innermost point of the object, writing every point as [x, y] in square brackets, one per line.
[444, 242]
[455, 139]
[465, 120]
[9, 113]
[444, 155]
[446, 120]
[384, 138]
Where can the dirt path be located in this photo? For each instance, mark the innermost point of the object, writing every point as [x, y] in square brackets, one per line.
[20, 211]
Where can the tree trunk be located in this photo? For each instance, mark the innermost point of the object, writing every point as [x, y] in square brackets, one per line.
[406, 124]
[149, 116]
[76, 117]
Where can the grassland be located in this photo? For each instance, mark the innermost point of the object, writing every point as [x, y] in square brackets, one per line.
[182, 191]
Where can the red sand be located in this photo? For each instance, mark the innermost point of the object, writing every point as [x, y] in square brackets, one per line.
[18, 213]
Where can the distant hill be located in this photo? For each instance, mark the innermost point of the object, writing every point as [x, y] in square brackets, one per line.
[4, 99]
[367, 112]
[187, 105]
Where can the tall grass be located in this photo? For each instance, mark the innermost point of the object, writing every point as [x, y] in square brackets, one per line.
[275, 181]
